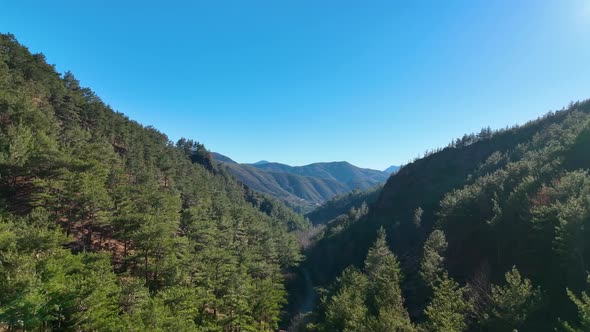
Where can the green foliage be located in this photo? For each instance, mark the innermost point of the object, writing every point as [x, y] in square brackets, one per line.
[108, 226]
[369, 300]
[512, 304]
[45, 285]
[582, 303]
[448, 311]
[342, 204]
[431, 266]
[512, 197]
[346, 309]
[382, 269]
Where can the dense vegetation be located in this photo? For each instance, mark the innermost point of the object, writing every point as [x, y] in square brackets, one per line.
[106, 225]
[304, 187]
[487, 234]
[343, 205]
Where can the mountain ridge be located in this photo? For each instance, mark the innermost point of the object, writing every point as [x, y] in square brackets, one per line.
[303, 187]
[97, 209]
[504, 201]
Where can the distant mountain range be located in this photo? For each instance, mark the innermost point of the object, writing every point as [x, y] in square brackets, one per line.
[304, 187]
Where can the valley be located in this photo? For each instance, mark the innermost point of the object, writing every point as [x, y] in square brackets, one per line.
[107, 224]
[304, 188]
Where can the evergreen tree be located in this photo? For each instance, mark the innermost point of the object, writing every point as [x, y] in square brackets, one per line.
[369, 301]
[385, 296]
[106, 225]
[431, 266]
[582, 303]
[346, 309]
[512, 303]
[448, 311]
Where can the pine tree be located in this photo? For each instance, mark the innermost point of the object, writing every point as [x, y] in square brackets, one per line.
[154, 238]
[385, 299]
[98, 293]
[346, 309]
[448, 310]
[512, 303]
[431, 266]
[582, 303]
[71, 168]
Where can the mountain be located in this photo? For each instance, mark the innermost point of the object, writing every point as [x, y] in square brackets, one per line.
[304, 187]
[261, 162]
[491, 215]
[105, 225]
[300, 192]
[391, 169]
[341, 171]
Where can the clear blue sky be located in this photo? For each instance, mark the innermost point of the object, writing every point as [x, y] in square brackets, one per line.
[297, 81]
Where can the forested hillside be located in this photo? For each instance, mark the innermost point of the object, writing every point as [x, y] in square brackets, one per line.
[487, 234]
[343, 204]
[106, 225]
[341, 171]
[304, 187]
[303, 193]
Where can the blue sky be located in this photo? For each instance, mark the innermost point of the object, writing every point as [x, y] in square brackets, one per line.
[298, 81]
